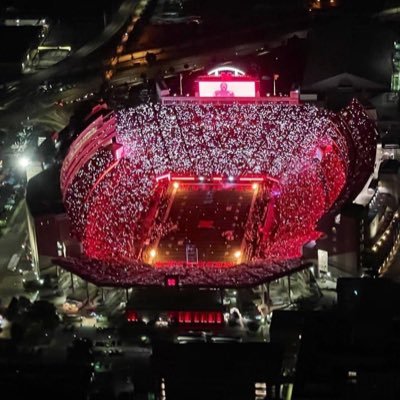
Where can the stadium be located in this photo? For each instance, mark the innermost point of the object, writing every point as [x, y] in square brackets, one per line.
[209, 193]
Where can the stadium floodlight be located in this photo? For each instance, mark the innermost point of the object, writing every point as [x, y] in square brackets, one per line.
[237, 254]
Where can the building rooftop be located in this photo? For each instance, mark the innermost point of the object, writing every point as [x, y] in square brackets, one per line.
[360, 52]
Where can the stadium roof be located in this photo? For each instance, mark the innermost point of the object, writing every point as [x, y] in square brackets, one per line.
[345, 80]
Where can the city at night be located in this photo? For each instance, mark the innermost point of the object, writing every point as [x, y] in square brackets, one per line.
[200, 199]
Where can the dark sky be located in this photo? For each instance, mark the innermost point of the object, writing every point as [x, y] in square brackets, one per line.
[57, 8]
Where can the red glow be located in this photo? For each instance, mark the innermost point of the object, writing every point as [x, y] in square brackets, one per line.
[188, 317]
[251, 179]
[225, 88]
[200, 264]
[101, 177]
[183, 178]
[131, 316]
[171, 282]
[196, 317]
[185, 317]
[162, 177]
[317, 159]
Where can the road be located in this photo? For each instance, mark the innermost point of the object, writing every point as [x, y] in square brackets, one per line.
[13, 236]
[393, 272]
[179, 58]
[10, 243]
[23, 100]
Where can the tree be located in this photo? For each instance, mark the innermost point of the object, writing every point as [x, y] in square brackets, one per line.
[143, 76]
[12, 309]
[81, 351]
[44, 312]
[17, 332]
[3, 136]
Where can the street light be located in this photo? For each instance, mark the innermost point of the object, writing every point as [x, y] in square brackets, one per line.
[24, 161]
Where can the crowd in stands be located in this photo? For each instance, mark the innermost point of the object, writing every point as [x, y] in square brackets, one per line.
[305, 149]
[102, 273]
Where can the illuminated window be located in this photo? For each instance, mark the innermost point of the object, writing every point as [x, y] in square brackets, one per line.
[171, 282]
[196, 318]
[352, 375]
[188, 317]
[395, 83]
[131, 316]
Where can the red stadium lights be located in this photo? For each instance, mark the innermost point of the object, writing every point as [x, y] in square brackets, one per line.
[113, 206]
[188, 317]
[196, 317]
[183, 178]
[226, 69]
[251, 179]
[101, 177]
[163, 177]
[171, 282]
[131, 316]
[230, 179]
[227, 82]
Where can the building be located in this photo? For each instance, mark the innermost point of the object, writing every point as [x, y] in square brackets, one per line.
[193, 188]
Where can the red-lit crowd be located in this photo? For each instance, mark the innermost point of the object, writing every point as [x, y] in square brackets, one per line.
[299, 146]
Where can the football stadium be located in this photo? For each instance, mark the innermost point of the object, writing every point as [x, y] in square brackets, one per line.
[206, 191]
